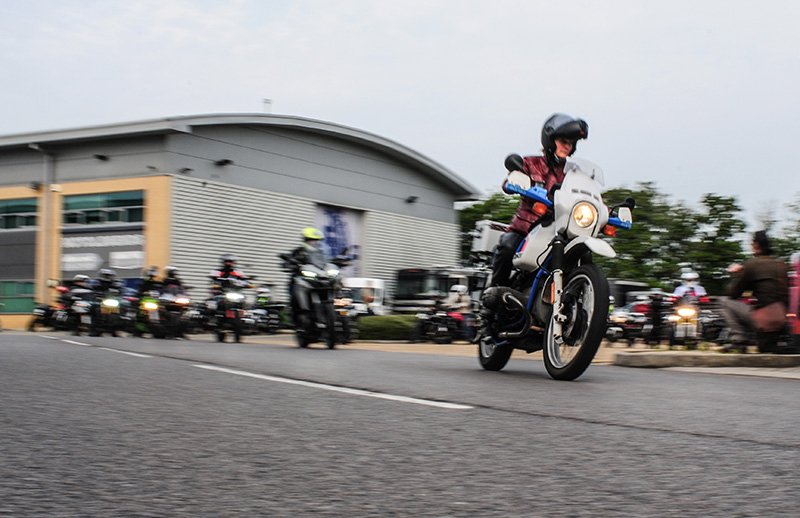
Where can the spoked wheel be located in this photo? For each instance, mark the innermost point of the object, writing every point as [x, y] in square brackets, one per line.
[585, 306]
[491, 356]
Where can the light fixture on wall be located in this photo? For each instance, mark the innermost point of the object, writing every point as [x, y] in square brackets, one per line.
[223, 161]
[36, 186]
[412, 199]
[185, 170]
[102, 158]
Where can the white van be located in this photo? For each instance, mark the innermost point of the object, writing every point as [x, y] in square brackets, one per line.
[367, 294]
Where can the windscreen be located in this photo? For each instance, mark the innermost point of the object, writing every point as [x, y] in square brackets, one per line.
[586, 167]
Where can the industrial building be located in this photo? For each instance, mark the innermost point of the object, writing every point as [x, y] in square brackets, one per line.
[182, 191]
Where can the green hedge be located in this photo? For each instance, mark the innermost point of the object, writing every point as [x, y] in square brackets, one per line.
[389, 327]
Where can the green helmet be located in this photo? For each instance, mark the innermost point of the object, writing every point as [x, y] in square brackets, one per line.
[312, 234]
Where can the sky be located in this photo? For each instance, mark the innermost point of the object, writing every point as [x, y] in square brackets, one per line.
[697, 96]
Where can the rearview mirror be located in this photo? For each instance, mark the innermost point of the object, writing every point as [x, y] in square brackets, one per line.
[514, 163]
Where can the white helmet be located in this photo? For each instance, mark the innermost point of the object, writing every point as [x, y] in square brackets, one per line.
[690, 276]
[458, 288]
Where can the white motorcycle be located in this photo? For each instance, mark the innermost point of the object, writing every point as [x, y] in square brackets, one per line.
[557, 298]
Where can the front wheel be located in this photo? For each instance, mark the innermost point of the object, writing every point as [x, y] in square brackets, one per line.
[330, 324]
[585, 308]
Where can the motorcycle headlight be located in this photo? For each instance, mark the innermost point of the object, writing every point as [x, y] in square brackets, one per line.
[233, 296]
[333, 272]
[308, 273]
[182, 300]
[686, 312]
[584, 214]
[150, 305]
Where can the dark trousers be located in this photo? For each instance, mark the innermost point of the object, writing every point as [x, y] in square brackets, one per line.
[503, 254]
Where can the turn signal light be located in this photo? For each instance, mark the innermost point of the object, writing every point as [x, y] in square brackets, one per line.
[610, 230]
[539, 208]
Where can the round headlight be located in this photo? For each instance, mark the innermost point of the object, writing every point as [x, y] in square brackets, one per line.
[234, 296]
[686, 312]
[111, 303]
[584, 214]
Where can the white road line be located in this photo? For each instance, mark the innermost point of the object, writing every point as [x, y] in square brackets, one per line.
[138, 355]
[74, 342]
[344, 390]
[50, 337]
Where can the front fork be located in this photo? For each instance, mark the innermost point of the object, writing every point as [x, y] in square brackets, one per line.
[557, 264]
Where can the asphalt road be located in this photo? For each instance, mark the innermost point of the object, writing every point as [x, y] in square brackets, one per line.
[189, 428]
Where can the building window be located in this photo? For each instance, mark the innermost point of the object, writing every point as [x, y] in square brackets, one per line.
[16, 296]
[19, 213]
[104, 208]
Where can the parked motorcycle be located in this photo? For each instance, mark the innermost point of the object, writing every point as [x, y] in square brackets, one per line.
[436, 325]
[54, 316]
[557, 300]
[265, 312]
[314, 285]
[627, 325]
[81, 310]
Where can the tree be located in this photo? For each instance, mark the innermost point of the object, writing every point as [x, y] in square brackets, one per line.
[716, 243]
[651, 250]
[786, 239]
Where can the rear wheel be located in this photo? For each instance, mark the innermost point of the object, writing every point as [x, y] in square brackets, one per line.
[585, 306]
[491, 356]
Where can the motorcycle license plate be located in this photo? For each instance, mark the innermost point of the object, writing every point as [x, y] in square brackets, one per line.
[230, 313]
[86, 319]
[108, 311]
[442, 329]
[154, 315]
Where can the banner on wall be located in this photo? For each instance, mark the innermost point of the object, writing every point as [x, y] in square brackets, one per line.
[342, 230]
[87, 252]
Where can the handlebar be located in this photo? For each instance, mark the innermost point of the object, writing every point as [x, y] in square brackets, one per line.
[535, 193]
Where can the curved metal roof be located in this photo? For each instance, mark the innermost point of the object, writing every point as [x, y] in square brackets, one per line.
[184, 124]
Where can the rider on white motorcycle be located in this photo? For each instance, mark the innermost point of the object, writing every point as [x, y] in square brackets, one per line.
[560, 135]
[691, 286]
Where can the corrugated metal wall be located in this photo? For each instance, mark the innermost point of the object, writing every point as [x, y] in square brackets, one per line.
[210, 219]
[394, 241]
[257, 225]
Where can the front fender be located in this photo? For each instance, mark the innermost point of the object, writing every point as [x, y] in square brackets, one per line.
[595, 245]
